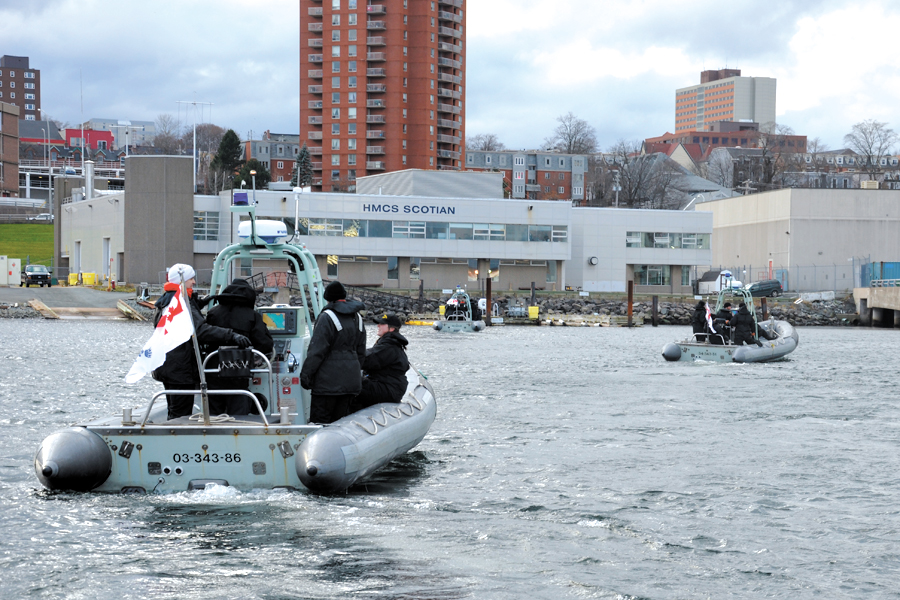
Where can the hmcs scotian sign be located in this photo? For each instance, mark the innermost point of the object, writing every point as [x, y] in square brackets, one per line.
[414, 209]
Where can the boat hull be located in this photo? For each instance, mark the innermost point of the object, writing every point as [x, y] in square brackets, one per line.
[690, 350]
[181, 455]
[459, 326]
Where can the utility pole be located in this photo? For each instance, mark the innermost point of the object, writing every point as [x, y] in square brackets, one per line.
[194, 103]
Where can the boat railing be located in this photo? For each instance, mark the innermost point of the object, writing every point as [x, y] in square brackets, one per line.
[267, 370]
[262, 413]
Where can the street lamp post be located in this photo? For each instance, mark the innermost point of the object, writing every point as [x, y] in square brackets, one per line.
[253, 179]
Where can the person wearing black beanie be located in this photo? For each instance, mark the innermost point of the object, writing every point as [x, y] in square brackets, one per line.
[333, 366]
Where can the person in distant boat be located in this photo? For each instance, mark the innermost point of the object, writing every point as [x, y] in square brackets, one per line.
[721, 322]
[701, 321]
[235, 309]
[744, 326]
[385, 366]
[180, 370]
[337, 349]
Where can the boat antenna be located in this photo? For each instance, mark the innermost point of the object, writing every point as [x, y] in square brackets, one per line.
[296, 215]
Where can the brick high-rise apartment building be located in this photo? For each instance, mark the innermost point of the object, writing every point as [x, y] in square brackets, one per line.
[724, 95]
[21, 85]
[382, 87]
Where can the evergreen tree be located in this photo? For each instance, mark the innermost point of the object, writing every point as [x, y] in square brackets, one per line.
[263, 177]
[294, 174]
[228, 157]
[304, 168]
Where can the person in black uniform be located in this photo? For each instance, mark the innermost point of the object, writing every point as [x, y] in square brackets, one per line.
[385, 366]
[744, 326]
[235, 309]
[180, 370]
[721, 321]
[337, 349]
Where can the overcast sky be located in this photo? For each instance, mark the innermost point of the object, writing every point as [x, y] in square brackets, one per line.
[614, 64]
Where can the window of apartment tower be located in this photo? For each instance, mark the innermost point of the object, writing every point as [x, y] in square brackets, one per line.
[351, 50]
[351, 144]
[562, 190]
[405, 18]
[335, 129]
[351, 4]
[335, 82]
[335, 51]
[432, 21]
[351, 97]
[351, 81]
[431, 98]
[431, 145]
[405, 4]
[335, 66]
[336, 4]
[431, 161]
[432, 7]
[404, 35]
[432, 53]
[351, 128]
[562, 176]
[336, 20]
[404, 97]
[404, 144]
[351, 160]
[335, 145]
[404, 82]
[335, 175]
[351, 35]
[404, 113]
[335, 160]
[431, 129]
[405, 51]
[351, 20]
[351, 113]
[546, 175]
[432, 115]
[335, 97]
[351, 174]
[404, 159]
[336, 35]
[335, 113]
[432, 68]
[404, 128]
[432, 38]
[280, 164]
[351, 66]
[404, 67]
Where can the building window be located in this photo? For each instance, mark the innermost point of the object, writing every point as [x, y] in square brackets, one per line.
[351, 97]
[280, 164]
[351, 113]
[335, 145]
[393, 271]
[351, 20]
[562, 176]
[562, 190]
[404, 113]
[335, 82]
[335, 97]
[414, 268]
[519, 189]
[351, 66]
[206, 225]
[335, 66]
[335, 175]
[351, 50]
[29, 96]
[351, 144]
[335, 129]
[335, 52]
[336, 20]
[652, 275]
[686, 274]
[332, 269]
[351, 127]
[29, 75]
[351, 159]
[335, 160]
[335, 113]
[519, 160]
[351, 35]
[336, 35]
[351, 81]
[404, 159]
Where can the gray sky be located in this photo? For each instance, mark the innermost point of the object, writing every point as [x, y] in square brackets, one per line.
[614, 64]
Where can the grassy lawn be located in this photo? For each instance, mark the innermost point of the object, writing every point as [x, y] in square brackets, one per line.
[32, 241]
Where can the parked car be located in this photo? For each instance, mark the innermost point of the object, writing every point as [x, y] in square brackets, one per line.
[41, 217]
[769, 287]
[38, 274]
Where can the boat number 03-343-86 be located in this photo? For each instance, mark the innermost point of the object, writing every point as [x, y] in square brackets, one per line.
[183, 458]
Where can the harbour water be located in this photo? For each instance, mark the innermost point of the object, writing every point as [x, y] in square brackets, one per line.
[564, 463]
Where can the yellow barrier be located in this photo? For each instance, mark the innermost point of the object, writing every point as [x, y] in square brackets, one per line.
[89, 278]
[73, 278]
[441, 310]
[533, 312]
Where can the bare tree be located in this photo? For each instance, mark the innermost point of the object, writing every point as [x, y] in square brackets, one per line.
[168, 130]
[489, 142]
[648, 181]
[781, 162]
[871, 140]
[720, 167]
[572, 136]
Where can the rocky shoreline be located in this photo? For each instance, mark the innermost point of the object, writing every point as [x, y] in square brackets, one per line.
[827, 313]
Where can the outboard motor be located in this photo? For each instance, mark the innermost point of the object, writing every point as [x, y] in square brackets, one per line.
[73, 459]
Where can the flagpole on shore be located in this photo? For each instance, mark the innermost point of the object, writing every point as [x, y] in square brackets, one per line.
[204, 396]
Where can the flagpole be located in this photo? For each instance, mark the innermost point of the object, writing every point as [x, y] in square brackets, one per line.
[204, 396]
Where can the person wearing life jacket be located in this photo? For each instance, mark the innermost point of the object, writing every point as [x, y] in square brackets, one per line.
[701, 321]
[333, 366]
[235, 308]
[385, 366]
[180, 370]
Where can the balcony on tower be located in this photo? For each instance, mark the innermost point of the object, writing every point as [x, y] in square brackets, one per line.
[315, 11]
[449, 108]
[448, 78]
[315, 73]
[449, 16]
[316, 166]
[445, 47]
[375, 119]
[376, 72]
[375, 134]
[315, 135]
[315, 27]
[315, 58]
[374, 149]
[375, 9]
[449, 32]
[375, 25]
[314, 104]
[315, 150]
[315, 120]
[449, 124]
[449, 93]
[315, 89]
[456, 3]
[376, 40]
[447, 139]
[375, 165]
[375, 103]
[315, 42]
[376, 56]
[447, 62]
[447, 154]
[376, 87]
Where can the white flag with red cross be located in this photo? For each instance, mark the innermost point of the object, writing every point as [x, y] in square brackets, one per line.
[174, 328]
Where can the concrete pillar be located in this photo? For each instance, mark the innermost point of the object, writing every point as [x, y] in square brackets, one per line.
[865, 313]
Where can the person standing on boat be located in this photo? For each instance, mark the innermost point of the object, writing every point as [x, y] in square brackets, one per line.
[235, 309]
[701, 321]
[722, 317]
[337, 349]
[180, 370]
[385, 366]
[744, 327]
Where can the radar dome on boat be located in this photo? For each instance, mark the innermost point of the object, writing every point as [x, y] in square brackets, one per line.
[269, 231]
